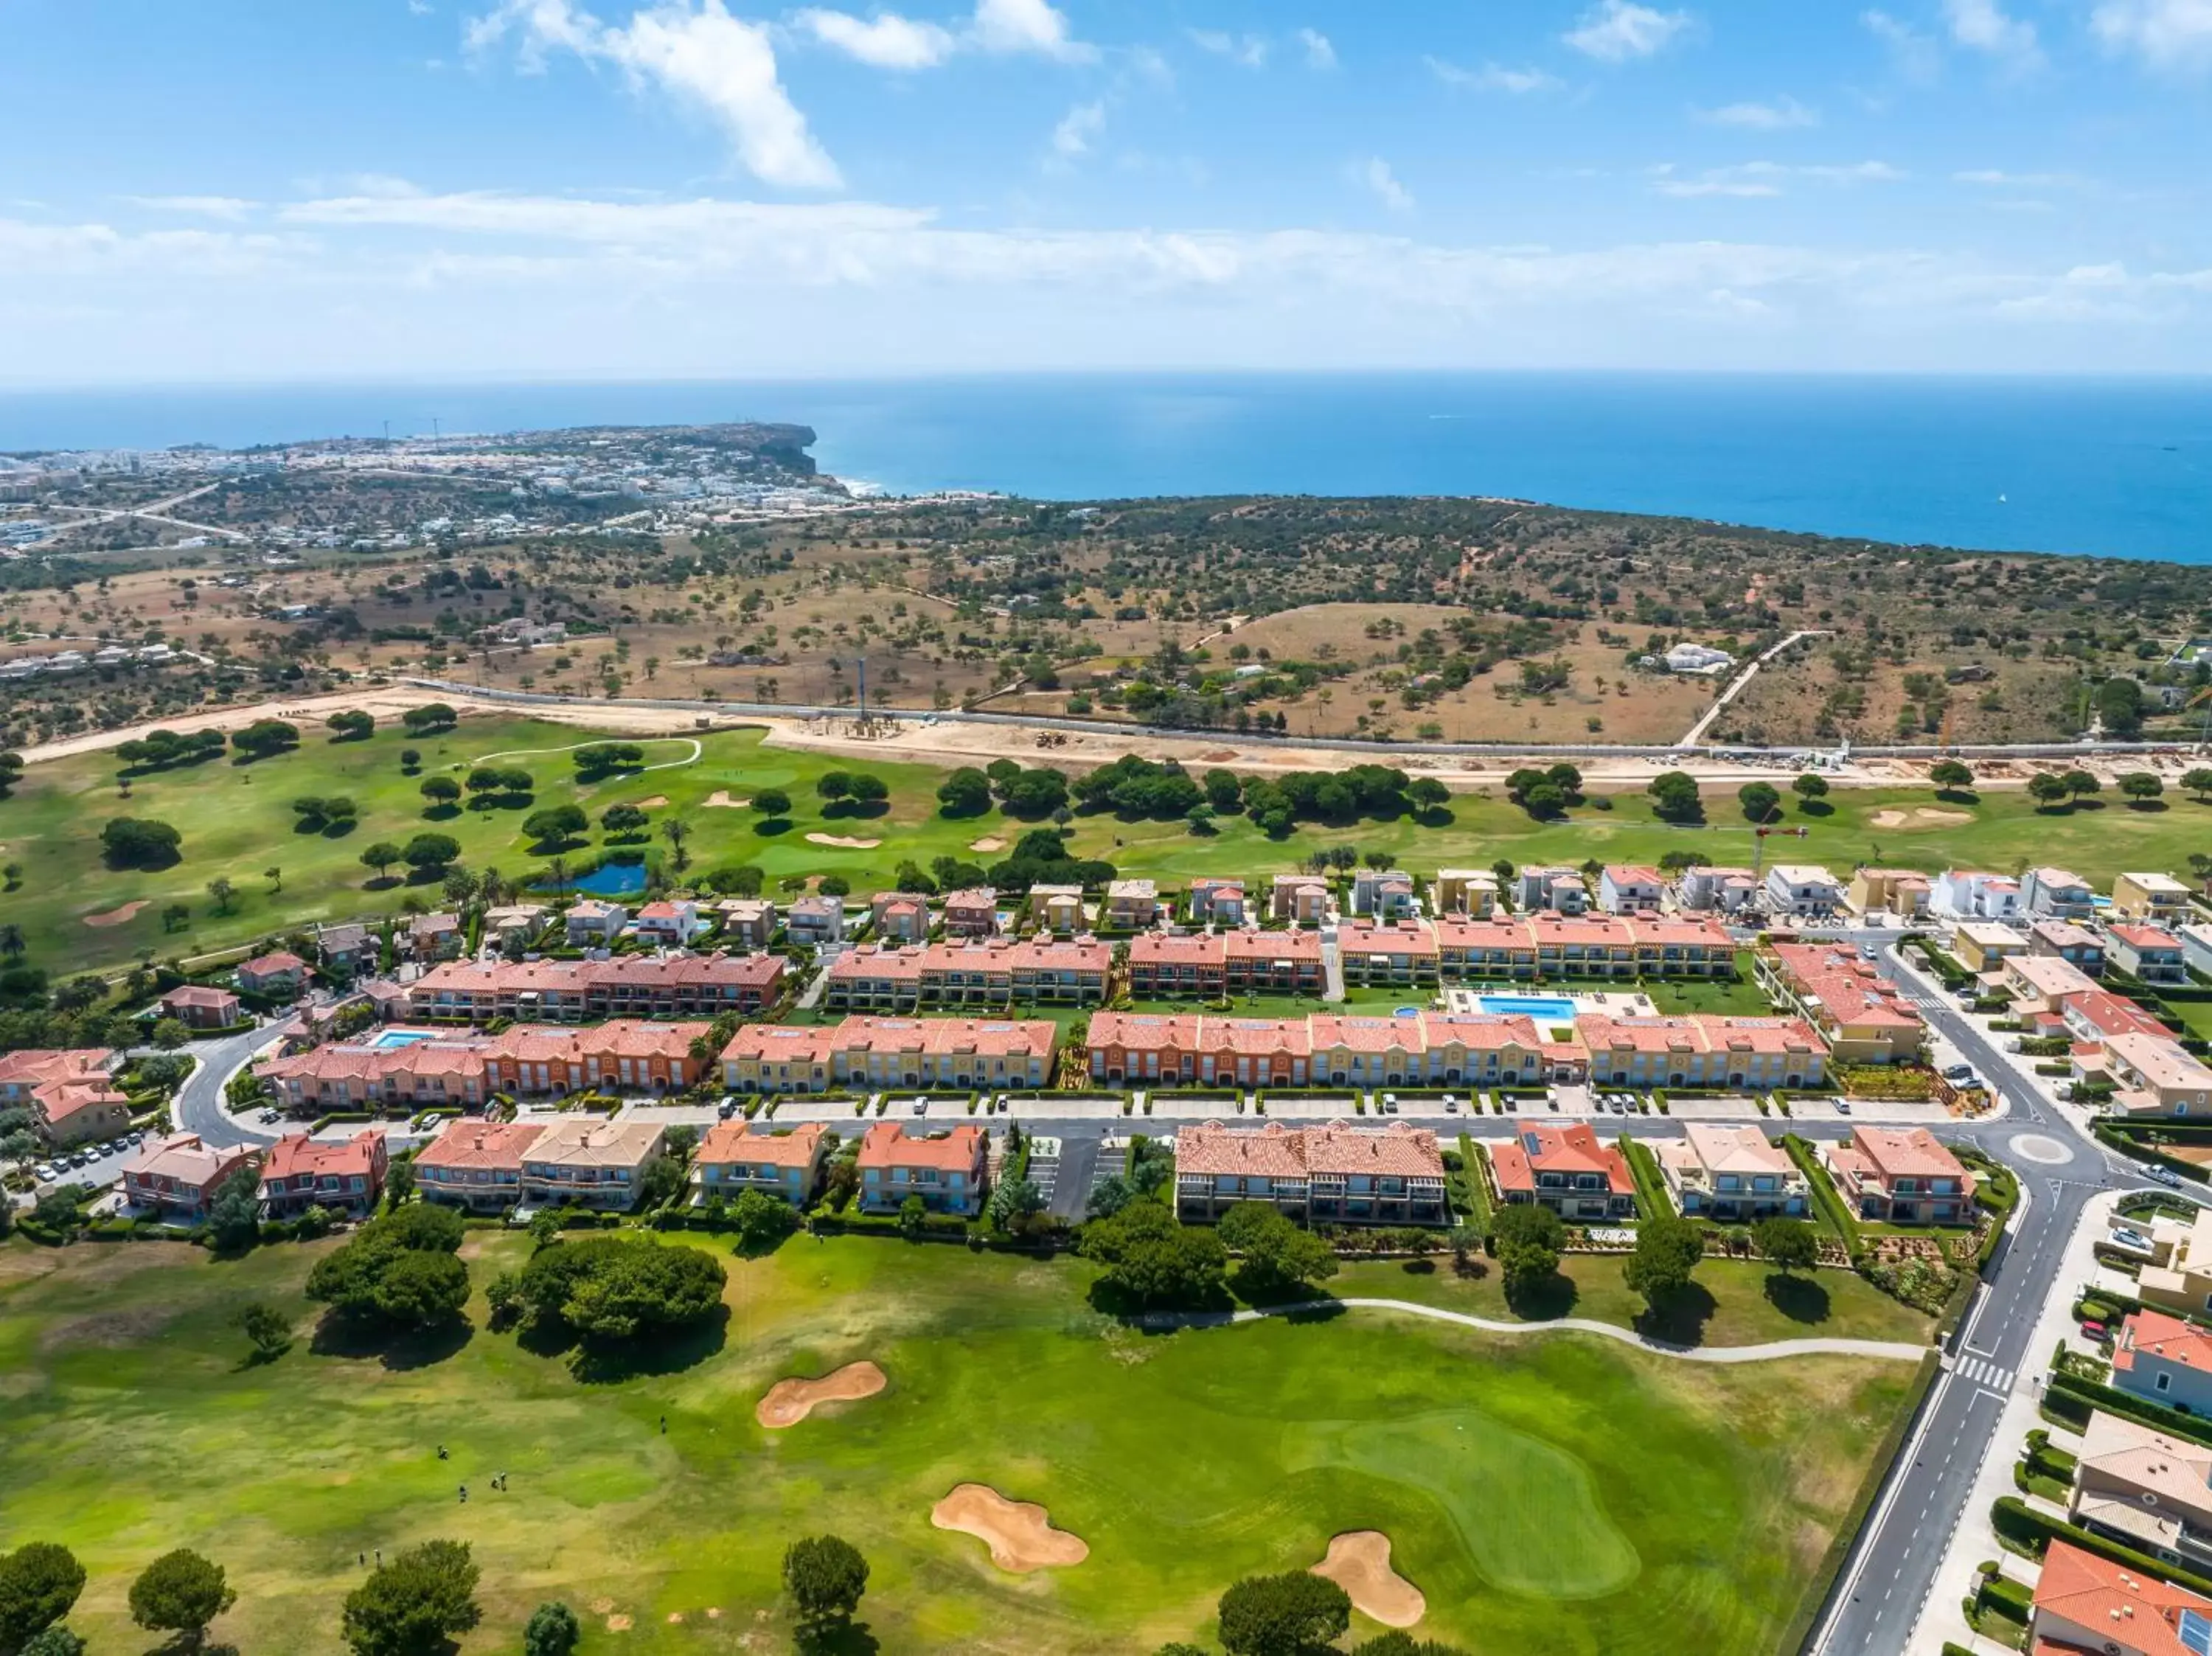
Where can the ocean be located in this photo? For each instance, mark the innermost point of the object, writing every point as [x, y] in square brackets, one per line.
[2119, 467]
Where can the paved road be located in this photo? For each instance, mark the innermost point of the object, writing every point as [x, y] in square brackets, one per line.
[1886, 1582]
[198, 1107]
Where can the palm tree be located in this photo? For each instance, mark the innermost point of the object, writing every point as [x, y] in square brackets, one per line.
[557, 872]
[674, 832]
[491, 886]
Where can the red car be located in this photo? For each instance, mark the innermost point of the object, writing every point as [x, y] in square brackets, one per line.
[2094, 1332]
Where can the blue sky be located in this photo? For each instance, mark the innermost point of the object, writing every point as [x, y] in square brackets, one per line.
[228, 189]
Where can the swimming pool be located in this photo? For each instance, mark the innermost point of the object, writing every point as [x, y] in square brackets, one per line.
[1558, 1008]
[385, 1039]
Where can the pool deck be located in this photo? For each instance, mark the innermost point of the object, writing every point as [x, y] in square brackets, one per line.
[1560, 1008]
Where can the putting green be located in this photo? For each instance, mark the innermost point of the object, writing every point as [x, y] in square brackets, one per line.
[1529, 1513]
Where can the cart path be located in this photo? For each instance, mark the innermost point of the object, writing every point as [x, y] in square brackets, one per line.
[1773, 1351]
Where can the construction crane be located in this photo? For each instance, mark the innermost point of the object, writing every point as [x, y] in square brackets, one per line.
[1759, 846]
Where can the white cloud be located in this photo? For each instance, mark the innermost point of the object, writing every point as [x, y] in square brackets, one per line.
[1985, 26]
[1077, 131]
[1020, 26]
[1754, 179]
[698, 56]
[1320, 53]
[1762, 117]
[886, 40]
[1493, 78]
[485, 283]
[1994, 178]
[1250, 50]
[1616, 31]
[1917, 56]
[2167, 35]
[231, 208]
[1377, 175]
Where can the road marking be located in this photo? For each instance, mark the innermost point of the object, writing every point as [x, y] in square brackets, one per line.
[1984, 1373]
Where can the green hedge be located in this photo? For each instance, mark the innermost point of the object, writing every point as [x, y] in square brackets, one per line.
[2092, 1395]
[1651, 1184]
[2021, 1524]
[2126, 1145]
[1477, 1180]
[1830, 1204]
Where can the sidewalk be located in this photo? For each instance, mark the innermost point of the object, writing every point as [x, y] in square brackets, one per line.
[1975, 1540]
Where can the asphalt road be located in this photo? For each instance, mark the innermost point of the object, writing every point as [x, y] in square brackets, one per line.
[198, 1107]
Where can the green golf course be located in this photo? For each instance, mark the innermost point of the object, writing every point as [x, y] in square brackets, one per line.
[1557, 1492]
[237, 821]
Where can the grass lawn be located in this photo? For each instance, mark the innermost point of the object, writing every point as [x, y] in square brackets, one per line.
[1557, 1493]
[1742, 998]
[1732, 1302]
[236, 821]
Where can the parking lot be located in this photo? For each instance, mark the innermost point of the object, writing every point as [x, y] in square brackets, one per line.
[93, 1165]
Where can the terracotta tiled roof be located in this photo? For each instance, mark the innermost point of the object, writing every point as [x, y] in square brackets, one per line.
[1846, 988]
[1696, 1032]
[1279, 1151]
[2136, 1612]
[1273, 1151]
[298, 1153]
[589, 1142]
[886, 1145]
[263, 966]
[195, 994]
[876, 961]
[2146, 936]
[468, 1143]
[1905, 1153]
[1542, 1147]
[738, 1141]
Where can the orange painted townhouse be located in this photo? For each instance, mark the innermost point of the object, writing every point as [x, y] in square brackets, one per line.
[1701, 1049]
[1428, 1049]
[1861, 1015]
[735, 1157]
[974, 1054]
[1565, 1169]
[69, 1092]
[179, 1177]
[1901, 1176]
[1336, 1174]
[199, 1006]
[1212, 965]
[943, 1169]
[620, 1056]
[279, 973]
[301, 1172]
[477, 1164]
[666, 985]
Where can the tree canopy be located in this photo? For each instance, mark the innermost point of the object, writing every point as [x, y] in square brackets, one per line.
[1153, 1260]
[400, 1269]
[180, 1592]
[413, 1605]
[612, 1289]
[1294, 1614]
[40, 1582]
[825, 1576]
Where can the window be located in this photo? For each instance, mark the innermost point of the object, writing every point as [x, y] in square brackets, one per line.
[2165, 1382]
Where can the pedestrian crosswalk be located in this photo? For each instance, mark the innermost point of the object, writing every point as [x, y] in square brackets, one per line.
[1983, 1372]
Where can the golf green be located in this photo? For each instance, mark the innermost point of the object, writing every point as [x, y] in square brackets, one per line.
[1552, 1492]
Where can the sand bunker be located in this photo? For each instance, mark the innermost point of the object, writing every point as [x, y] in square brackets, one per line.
[988, 842]
[619, 1625]
[122, 916]
[654, 803]
[721, 800]
[1359, 1561]
[790, 1401]
[840, 839]
[1920, 816]
[1019, 1533]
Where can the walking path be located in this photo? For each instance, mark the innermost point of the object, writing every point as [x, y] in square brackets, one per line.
[1736, 685]
[1888, 1350]
[692, 758]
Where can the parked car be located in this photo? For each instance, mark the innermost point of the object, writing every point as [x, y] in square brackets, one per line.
[2094, 1332]
[1843, 1107]
[921, 1105]
[45, 1173]
[726, 1108]
[1389, 1103]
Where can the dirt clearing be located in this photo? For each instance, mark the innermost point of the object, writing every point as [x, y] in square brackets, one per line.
[790, 1401]
[1019, 1533]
